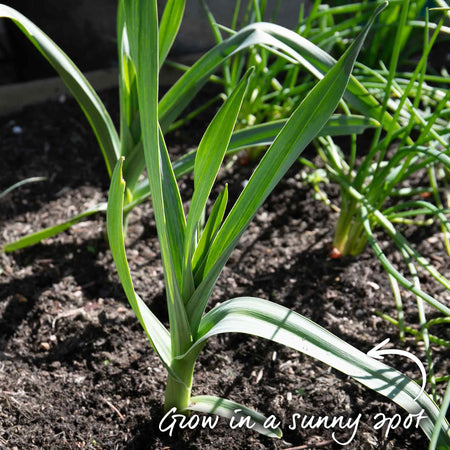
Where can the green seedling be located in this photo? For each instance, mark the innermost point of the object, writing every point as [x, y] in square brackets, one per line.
[129, 141]
[193, 255]
[376, 190]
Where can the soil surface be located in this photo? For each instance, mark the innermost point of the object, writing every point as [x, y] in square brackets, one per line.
[76, 369]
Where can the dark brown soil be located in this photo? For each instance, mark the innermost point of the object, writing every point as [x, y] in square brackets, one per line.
[76, 370]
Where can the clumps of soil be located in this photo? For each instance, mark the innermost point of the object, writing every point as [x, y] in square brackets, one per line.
[76, 369]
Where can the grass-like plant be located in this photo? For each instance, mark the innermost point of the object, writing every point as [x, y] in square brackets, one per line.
[412, 110]
[376, 190]
[19, 184]
[128, 142]
[281, 82]
[193, 256]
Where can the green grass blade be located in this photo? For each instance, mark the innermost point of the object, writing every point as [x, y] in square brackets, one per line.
[34, 238]
[77, 84]
[365, 211]
[210, 231]
[295, 48]
[208, 160]
[155, 330]
[169, 26]
[268, 320]
[437, 432]
[141, 18]
[226, 408]
[304, 124]
[401, 243]
[19, 184]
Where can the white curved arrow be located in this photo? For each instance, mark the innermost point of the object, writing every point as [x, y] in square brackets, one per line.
[376, 353]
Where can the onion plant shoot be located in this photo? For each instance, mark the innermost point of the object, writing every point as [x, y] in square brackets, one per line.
[193, 256]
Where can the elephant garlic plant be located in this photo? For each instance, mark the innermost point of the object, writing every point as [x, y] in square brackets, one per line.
[193, 255]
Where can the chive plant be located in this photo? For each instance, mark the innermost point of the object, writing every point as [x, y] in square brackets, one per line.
[377, 188]
[406, 104]
[193, 256]
[280, 83]
[128, 141]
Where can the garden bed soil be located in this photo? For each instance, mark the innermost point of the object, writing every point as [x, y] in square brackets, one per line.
[76, 370]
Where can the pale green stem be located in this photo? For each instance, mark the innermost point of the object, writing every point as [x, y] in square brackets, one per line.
[178, 391]
[344, 224]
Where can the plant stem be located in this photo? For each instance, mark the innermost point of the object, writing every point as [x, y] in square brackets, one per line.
[178, 394]
[344, 224]
[356, 240]
[126, 213]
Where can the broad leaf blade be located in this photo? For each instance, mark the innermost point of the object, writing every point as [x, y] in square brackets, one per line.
[268, 320]
[232, 410]
[77, 84]
[156, 332]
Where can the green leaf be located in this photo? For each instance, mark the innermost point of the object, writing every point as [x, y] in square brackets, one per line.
[19, 184]
[232, 411]
[208, 160]
[209, 233]
[130, 121]
[173, 208]
[141, 20]
[77, 84]
[268, 320]
[440, 422]
[304, 124]
[295, 48]
[265, 134]
[155, 330]
[168, 29]
[403, 245]
[34, 238]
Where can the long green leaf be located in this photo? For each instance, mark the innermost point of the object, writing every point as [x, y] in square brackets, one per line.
[304, 124]
[155, 330]
[301, 128]
[77, 84]
[232, 411]
[34, 238]
[131, 146]
[268, 320]
[265, 134]
[208, 160]
[296, 49]
[168, 29]
[19, 184]
[173, 209]
[441, 419]
[141, 20]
